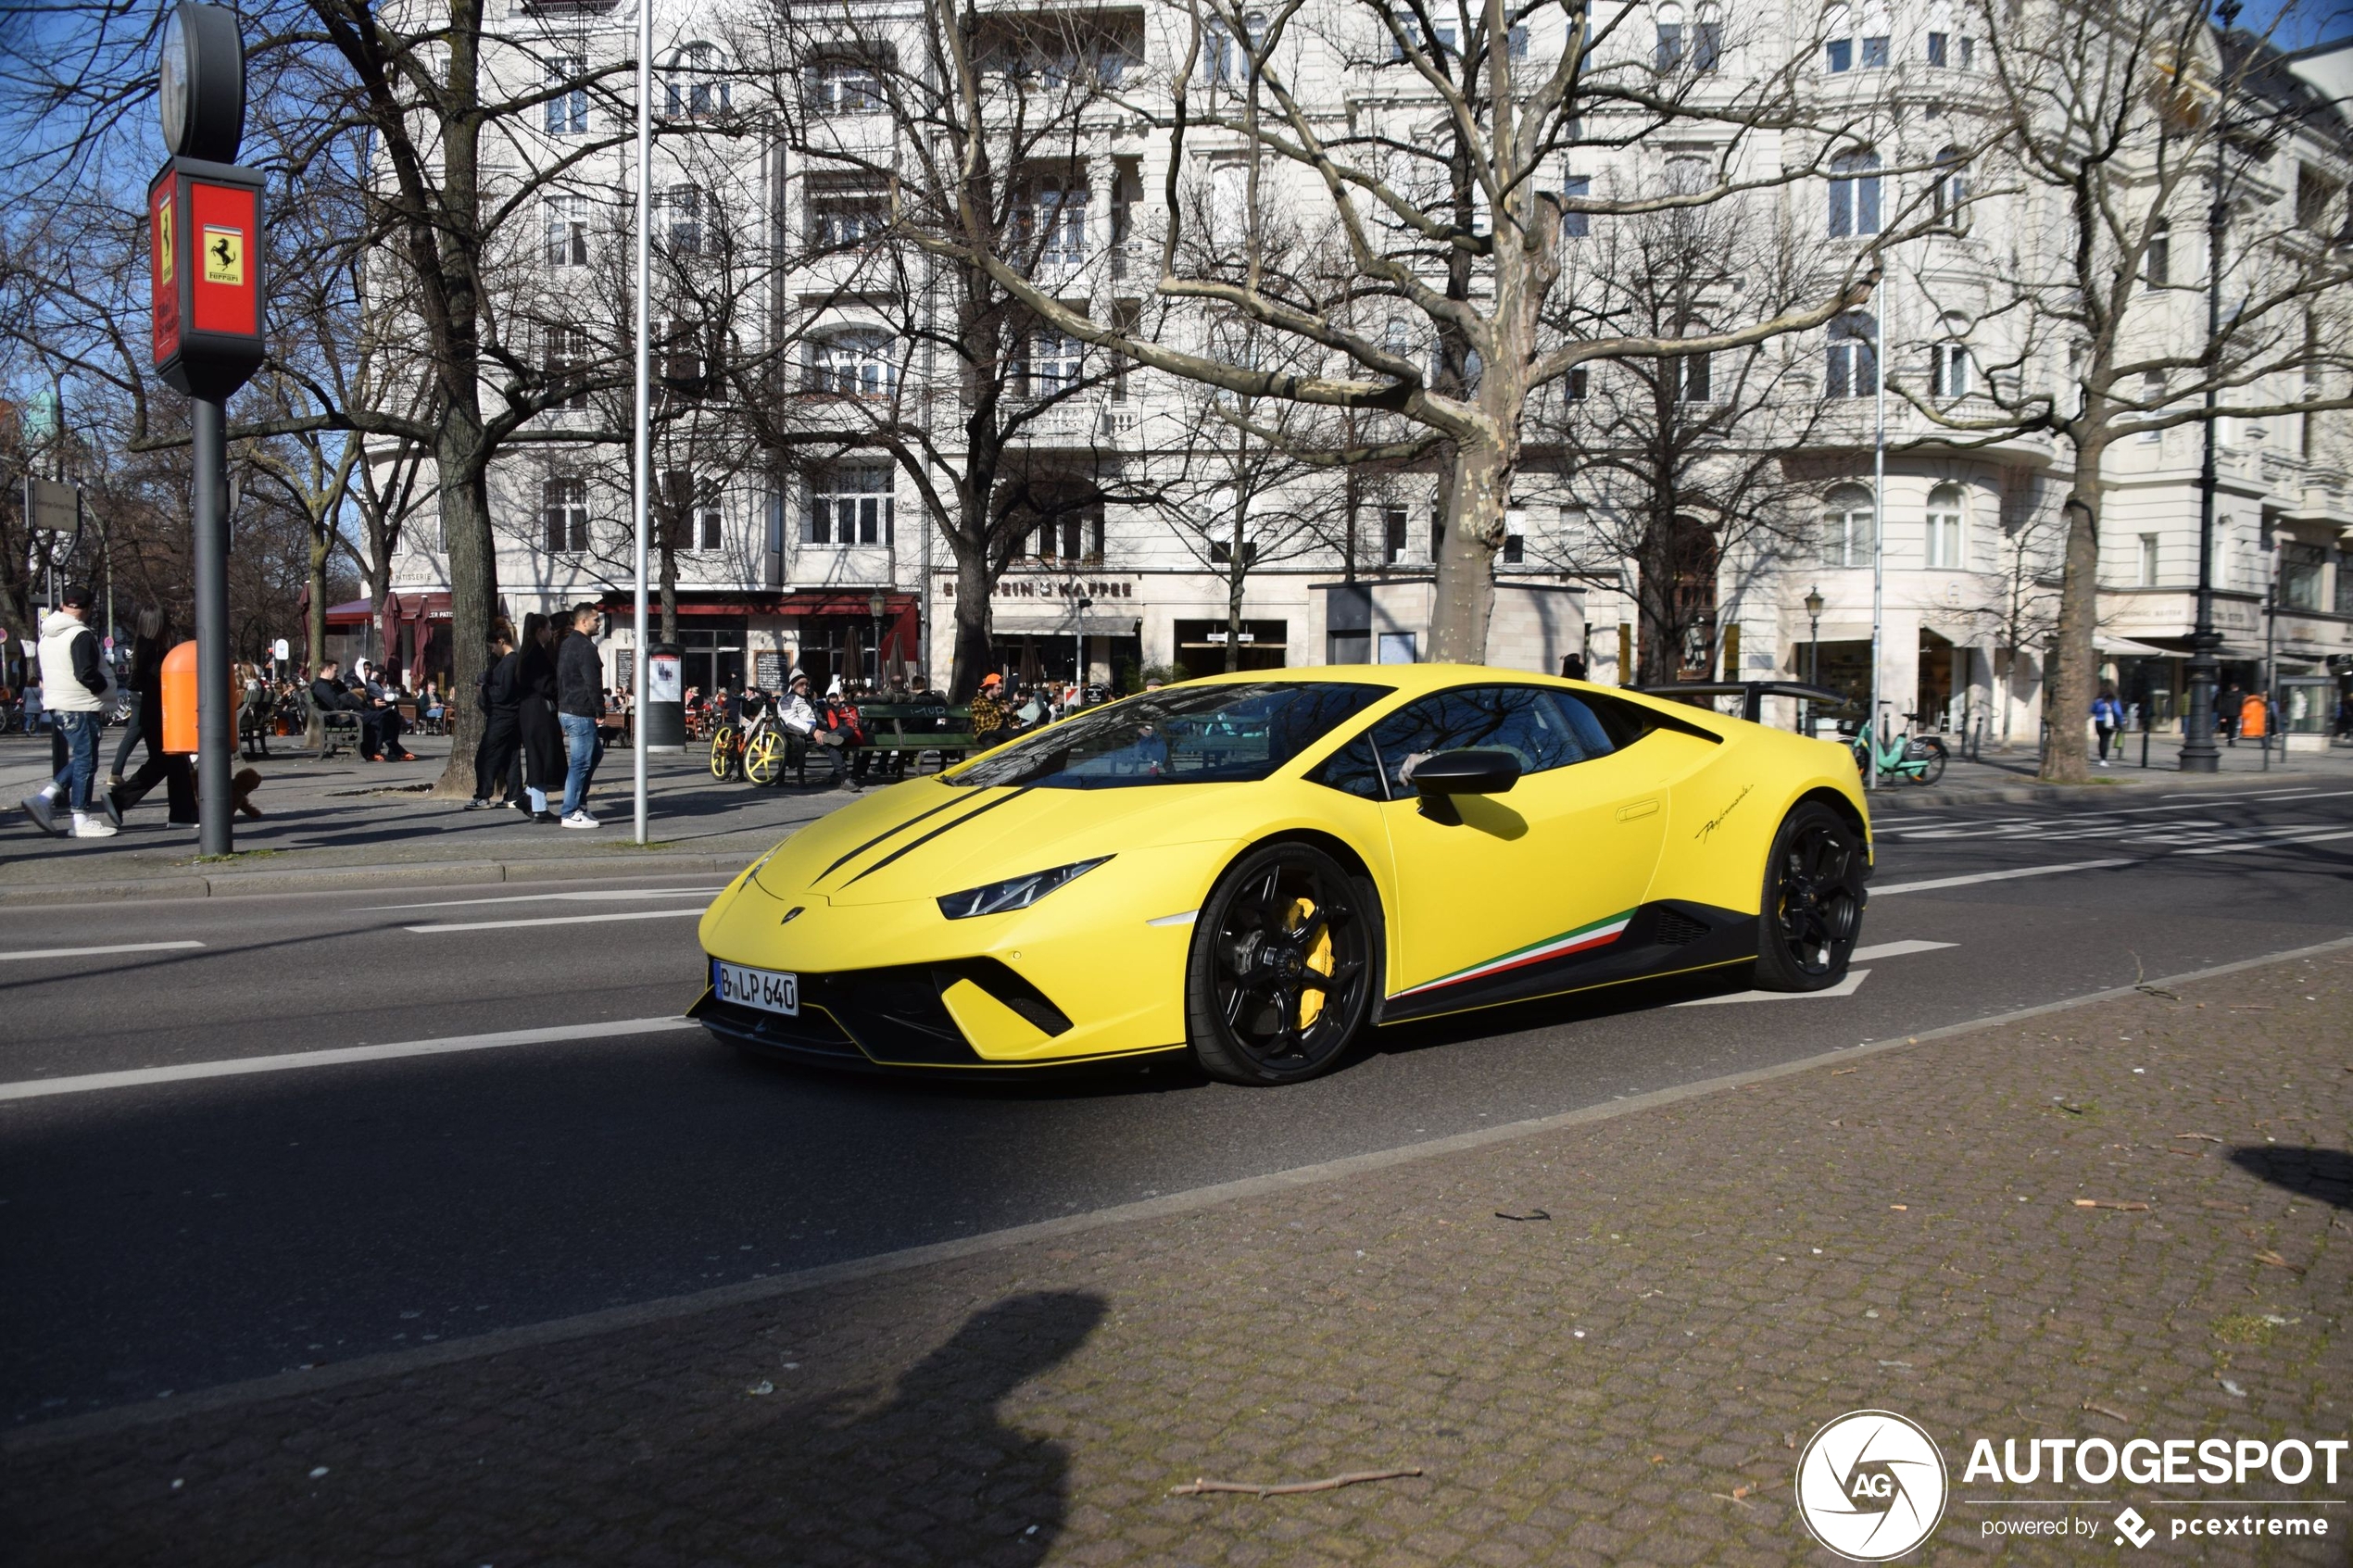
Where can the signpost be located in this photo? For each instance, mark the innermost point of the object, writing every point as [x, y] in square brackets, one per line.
[207, 263]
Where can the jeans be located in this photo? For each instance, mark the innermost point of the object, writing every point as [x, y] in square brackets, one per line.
[81, 733]
[584, 748]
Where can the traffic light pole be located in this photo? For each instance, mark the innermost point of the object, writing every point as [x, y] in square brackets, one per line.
[216, 723]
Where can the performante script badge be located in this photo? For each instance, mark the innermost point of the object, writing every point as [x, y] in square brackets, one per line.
[1871, 1486]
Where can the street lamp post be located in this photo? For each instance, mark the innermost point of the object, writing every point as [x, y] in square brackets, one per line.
[875, 605]
[1812, 647]
[2199, 754]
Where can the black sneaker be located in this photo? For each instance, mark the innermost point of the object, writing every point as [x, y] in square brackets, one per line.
[113, 810]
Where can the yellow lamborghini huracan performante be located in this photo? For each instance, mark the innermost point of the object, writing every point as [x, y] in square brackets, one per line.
[1256, 868]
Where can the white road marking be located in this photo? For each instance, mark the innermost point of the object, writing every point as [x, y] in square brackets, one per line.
[1996, 876]
[557, 919]
[1896, 950]
[1855, 977]
[2267, 843]
[96, 952]
[288, 1061]
[598, 896]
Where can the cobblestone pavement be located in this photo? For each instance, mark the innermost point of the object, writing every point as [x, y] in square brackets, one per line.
[1628, 1380]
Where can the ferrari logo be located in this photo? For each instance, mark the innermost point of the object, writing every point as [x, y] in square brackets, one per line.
[163, 239]
[224, 255]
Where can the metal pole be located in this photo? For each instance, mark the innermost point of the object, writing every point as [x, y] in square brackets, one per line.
[641, 476]
[2198, 753]
[214, 735]
[1879, 533]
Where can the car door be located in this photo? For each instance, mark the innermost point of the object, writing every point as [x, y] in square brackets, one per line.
[1525, 882]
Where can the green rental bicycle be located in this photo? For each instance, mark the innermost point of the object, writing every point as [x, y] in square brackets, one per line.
[1912, 758]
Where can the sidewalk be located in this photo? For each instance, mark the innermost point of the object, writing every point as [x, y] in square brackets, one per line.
[345, 820]
[1627, 1373]
[2010, 775]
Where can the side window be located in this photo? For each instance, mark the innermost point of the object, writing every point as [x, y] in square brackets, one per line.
[1525, 720]
[1353, 769]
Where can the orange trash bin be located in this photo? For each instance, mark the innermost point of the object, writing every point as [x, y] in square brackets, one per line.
[179, 700]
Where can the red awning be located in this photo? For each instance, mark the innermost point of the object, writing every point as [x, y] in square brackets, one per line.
[845, 604]
[413, 606]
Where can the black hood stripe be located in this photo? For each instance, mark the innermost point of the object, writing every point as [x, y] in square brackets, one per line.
[887, 833]
[918, 844]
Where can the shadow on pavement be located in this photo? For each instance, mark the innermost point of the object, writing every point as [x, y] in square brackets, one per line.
[2322, 1174]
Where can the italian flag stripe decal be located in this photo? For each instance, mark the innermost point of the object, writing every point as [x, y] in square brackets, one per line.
[1600, 933]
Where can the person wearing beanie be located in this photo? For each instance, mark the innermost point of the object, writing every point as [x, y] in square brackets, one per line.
[78, 687]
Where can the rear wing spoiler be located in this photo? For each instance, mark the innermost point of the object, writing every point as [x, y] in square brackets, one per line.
[1751, 693]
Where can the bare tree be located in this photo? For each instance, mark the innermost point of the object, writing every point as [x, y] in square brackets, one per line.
[1442, 176]
[2122, 127]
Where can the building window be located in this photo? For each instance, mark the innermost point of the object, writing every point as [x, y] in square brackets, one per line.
[682, 219]
[2345, 582]
[2156, 260]
[1948, 366]
[1221, 553]
[563, 511]
[844, 86]
[693, 517]
[1224, 59]
[1515, 549]
[694, 87]
[564, 355]
[1055, 363]
[1072, 538]
[568, 110]
[682, 349]
[1670, 52]
[2145, 569]
[1855, 194]
[1838, 40]
[851, 364]
[567, 230]
[1440, 42]
[2300, 575]
[1055, 225]
[1580, 382]
[1576, 225]
[1707, 40]
[1876, 32]
[1948, 527]
[1950, 194]
[1847, 527]
[849, 504]
[1851, 366]
[841, 219]
[1392, 531]
[1691, 376]
[2315, 195]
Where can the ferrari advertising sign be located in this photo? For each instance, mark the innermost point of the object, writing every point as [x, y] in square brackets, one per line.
[206, 274]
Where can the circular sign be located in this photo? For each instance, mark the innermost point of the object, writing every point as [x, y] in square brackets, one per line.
[1871, 1486]
[200, 83]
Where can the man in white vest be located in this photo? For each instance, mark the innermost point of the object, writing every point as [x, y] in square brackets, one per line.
[77, 687]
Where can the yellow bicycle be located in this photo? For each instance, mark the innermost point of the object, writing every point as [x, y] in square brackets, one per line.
[726, 752]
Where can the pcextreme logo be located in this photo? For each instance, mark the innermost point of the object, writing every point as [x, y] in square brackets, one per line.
[1871, 1486]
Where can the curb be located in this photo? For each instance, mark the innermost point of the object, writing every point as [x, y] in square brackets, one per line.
[423, 873]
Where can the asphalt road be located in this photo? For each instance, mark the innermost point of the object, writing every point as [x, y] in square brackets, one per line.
[163, 1236]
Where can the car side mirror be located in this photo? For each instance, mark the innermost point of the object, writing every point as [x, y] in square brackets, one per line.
[1436, 779]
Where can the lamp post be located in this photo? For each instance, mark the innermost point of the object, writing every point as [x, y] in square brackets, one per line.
[1813, 647]
[641, 417]
[875, 605]
[2199, 754]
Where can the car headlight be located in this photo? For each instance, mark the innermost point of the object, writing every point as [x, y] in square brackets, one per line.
[1013, 892]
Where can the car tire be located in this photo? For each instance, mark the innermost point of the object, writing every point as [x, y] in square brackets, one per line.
[1812, 912]
[1286, 925]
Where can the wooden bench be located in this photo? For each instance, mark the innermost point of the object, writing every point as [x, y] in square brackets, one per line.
[339, 730]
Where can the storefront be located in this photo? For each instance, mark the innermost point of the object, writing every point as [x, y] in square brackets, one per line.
[726, 641]
[411, 638]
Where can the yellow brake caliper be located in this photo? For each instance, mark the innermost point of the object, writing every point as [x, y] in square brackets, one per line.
[1319, 959]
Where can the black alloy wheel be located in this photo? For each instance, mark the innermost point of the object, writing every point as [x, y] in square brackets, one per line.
[1812, 908]
[1286, 961]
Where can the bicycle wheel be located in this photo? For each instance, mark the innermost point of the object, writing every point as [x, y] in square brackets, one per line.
[764, 760]
[1928, 760]
[722, 752]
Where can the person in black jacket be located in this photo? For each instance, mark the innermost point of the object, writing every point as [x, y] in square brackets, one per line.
[147, 647]
[496, 759]
[543, 741]
[580, 702]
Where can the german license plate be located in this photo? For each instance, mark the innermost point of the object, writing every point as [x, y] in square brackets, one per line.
[762, 988]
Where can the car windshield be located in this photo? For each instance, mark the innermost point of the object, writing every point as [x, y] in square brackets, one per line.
[1187, 734]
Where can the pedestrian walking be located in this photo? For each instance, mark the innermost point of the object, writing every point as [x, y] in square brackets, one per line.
[2226, 712]
[497, 758]
[77, 688]
[580, 701]
[151, 641]
[543, 738]
[147, 629]
[2107, 717]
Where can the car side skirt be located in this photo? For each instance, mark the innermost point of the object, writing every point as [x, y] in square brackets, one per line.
[1664, 937]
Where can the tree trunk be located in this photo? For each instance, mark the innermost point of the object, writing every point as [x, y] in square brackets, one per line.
[474, 593]
[1477, 489]
[971, 618]
[2074, 656]
[1237, 575]
[314, 629]
[668, 571]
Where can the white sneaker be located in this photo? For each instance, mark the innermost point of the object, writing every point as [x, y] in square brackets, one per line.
[42, 809]
[580, 819]
[87, 826]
